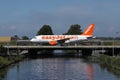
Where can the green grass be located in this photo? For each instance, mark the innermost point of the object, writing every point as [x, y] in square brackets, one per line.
[5, 61]
[107, 43]
[13, 43]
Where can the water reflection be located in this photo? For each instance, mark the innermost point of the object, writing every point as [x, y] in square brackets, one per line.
[3, 72]
[57, 69]
[62, 69]
[111, 70]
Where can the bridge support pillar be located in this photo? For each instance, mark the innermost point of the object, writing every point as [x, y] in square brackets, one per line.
[8, 51]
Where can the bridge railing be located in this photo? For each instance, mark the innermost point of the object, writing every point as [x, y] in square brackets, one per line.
[78, 43]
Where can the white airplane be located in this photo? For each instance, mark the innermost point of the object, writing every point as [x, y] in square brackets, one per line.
[55, 39]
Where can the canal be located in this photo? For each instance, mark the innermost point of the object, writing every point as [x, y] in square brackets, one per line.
[56, 69]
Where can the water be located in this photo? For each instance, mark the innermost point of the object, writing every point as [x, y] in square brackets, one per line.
[57, 69]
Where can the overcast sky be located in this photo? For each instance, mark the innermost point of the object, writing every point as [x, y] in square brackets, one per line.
[26, 17]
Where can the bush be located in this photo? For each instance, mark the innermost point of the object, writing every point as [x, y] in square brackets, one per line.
[108, 61]
[9, 60]
[3, 62]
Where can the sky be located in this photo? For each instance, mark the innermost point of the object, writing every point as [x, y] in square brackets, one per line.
[26, 17]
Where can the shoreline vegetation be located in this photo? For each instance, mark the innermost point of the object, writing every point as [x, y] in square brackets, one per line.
[6, 61]
[112, 62]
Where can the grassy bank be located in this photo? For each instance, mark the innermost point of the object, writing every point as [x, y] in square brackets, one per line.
[5, 61]
[110, 61]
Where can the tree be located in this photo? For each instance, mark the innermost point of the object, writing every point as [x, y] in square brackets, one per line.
[25, 38]
[74, 30]
[15, 37]
[45, 30]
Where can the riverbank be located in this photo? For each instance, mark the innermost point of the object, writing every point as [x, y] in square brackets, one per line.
[6, 61]
[110, 61]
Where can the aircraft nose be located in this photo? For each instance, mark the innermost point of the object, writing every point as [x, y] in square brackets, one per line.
[32, 39]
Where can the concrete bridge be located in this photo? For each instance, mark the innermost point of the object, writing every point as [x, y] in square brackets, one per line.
[86, 50]
[62, 47]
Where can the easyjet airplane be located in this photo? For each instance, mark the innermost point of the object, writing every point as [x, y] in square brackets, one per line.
[55, 39]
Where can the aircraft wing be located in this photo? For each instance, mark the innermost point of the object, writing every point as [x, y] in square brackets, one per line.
[62, 40]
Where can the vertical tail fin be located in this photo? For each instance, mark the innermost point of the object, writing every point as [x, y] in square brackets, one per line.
[89, 30]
